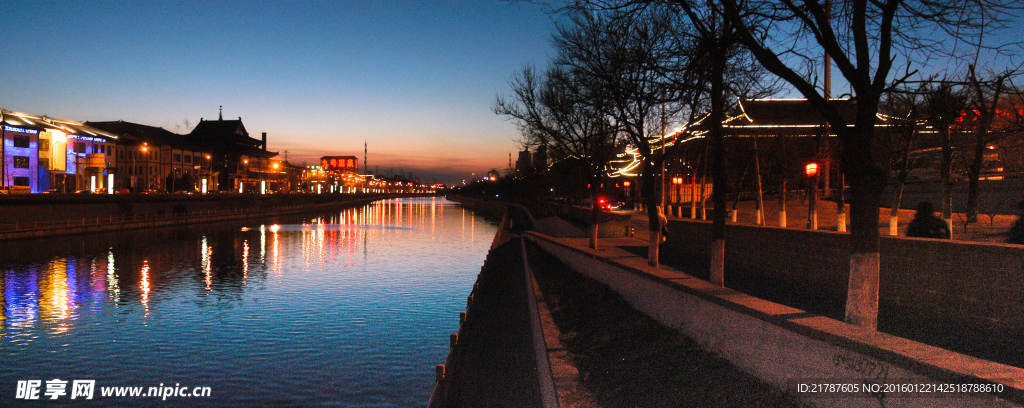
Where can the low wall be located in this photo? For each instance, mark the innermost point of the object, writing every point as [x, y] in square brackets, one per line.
[122, 214]
[966, 280]
[788, 347]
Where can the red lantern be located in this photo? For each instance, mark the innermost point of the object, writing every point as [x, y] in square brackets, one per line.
[811, 169]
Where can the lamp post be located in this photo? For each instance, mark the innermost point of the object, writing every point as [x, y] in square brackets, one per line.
[812, 212]
[209, 173]
[145, 148]
[135, 167]
[677, 181]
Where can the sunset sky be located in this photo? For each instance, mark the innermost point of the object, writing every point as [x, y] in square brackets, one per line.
[415, 79]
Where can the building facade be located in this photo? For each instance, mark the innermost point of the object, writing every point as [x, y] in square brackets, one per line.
[43, 154]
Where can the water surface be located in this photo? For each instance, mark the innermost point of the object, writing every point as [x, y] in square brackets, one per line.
[347, 308]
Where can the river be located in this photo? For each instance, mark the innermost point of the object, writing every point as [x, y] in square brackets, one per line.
[349, 308]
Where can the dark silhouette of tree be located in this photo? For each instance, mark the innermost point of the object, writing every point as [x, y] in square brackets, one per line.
[944, 106]
[905, 117]
[631, 61]
[868, 41]
[561, 111]
[993, 116]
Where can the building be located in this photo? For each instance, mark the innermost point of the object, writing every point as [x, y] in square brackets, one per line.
[47, 154]
[151, 158]
[239, 162]
[524, 163]
[540, 159]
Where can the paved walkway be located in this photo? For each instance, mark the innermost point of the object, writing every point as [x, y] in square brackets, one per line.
[603, 353]
[987, 229]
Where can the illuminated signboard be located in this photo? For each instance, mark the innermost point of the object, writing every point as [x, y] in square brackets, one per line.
[86, 138]
[342, 163]
[20, 130]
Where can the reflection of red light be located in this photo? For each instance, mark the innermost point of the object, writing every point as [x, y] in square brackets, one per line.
[811, 169]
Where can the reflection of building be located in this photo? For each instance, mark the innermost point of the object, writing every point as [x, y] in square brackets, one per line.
[240, 163]
[42, 153]
[152, 158]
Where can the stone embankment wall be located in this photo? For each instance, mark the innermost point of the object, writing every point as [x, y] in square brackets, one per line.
[823, 361]
[977, 281]
[45, 217]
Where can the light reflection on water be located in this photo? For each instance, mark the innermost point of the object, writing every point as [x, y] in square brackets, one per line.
[350, 308]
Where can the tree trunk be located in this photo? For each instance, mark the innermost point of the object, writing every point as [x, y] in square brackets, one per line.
[974, 173]
[717, 275]
[897, 197]
[947, 179]
[595, 214]
[867, 178]
[653, 223]
[782, 204]
[760, 191]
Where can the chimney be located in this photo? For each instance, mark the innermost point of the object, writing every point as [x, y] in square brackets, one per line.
[264, 141]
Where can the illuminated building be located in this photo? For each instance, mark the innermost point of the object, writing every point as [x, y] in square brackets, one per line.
[240, 162]
[42, 154]
[152, 158]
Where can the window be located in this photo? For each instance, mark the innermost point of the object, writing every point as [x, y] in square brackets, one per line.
[109, 150]
[21, 141]
[21, 181]
[21, 162]
[44, 163]
[188, 159]
[44, 144]
[177, 157]
[79, 147]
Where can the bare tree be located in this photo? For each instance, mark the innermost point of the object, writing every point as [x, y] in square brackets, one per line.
[905, 118]
[557, 111]
[633, 59]
[944, 106]
[867, 41]
[993, 119]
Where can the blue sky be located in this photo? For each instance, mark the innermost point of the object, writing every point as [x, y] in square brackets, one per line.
[415, 78]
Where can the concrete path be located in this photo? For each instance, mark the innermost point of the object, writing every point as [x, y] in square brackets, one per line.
[987, 229]
[497, 367]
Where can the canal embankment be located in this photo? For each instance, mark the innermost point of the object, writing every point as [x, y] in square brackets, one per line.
[535, 334]
[40, 217]
[790, 348]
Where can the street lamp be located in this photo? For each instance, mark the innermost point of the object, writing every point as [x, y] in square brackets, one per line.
[678, 182]
[812, 212]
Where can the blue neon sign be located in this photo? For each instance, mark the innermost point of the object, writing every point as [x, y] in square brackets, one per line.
[20, 130]
[86, 138]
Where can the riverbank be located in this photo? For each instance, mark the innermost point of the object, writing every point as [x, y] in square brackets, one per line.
[600, 352]
[780, 345]
[39, 217]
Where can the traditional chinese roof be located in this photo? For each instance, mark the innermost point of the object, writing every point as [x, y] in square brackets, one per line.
[222, 132]
[793, 117]
[45, 123]
[134, 134]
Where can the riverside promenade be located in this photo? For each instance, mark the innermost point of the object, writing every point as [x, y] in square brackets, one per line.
[600, 351]
[989, 228]
[777, 346]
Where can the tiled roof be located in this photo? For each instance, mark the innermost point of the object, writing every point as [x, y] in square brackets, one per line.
[137, 133]
[43, 123]
[222, 131]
